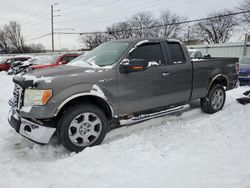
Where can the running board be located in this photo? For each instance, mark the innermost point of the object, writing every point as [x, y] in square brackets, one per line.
[144, 117]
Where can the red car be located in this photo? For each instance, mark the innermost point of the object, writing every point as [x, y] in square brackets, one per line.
[52, 61]
[5, 64]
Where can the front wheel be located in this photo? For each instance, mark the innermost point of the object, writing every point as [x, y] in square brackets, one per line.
[82, 126]
[215, 99]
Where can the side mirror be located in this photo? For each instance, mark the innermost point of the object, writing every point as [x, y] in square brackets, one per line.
[133, 65]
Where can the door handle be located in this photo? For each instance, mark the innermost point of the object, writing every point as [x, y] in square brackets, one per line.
[165, 74]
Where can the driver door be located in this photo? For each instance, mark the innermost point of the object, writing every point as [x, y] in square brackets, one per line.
[143, 90]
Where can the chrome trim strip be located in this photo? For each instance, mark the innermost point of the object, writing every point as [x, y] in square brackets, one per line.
[145, 117]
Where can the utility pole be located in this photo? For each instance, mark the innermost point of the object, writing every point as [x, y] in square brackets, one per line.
[52, 25]
[245, 45]
[52, 28]
[188, 35]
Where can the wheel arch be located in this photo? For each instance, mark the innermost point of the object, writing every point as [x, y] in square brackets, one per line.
[219, 79]
[86, 98]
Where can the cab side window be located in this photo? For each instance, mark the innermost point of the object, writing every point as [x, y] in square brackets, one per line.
[176, 53]
[68, 58]
[149, 52]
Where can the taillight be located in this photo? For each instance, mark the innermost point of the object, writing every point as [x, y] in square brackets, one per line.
[237, 67]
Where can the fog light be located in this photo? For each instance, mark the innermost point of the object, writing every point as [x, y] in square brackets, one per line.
[27, 129]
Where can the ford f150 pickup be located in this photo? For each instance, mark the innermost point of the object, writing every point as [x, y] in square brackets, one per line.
[117, 83]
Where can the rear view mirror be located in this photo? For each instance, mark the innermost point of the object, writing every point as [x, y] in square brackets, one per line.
[133, 65]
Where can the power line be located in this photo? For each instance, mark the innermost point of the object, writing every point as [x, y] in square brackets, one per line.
[100, 6]
[162, 25]
[190, 21]
[63, 1]
[134, 7]
[36, 19]
[34, 13]
[105, 20]
[77, 5]
[36, 22]
[38, 37]
[42, 21]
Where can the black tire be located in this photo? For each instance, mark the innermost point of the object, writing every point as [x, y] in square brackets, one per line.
[65, 127]
[207, 103]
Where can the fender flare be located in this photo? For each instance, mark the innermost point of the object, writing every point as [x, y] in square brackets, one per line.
[66, 101]
[216, 77]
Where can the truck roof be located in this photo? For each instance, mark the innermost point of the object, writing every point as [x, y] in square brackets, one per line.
[132, 40]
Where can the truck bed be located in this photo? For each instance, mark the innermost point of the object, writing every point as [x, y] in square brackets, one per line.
[204, 70]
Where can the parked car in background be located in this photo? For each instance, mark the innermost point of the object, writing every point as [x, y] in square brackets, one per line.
[53, 61]
[41, 62]
[6, 63]
[244, 73]
[195, 54]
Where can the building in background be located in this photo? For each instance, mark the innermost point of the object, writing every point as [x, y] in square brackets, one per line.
[224, 50]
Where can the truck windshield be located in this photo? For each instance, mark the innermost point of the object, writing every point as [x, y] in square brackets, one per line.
[103, 56]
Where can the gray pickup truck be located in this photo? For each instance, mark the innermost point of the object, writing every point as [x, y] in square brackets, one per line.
[117, 83]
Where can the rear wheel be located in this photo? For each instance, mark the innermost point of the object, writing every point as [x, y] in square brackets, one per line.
[215, 99]
[82, 126]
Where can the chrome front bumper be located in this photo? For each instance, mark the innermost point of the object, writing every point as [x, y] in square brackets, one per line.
[32, 131]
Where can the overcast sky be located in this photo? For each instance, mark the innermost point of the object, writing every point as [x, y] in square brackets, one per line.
[93, 15]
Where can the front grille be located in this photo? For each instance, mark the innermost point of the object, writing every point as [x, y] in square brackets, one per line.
[17, 100]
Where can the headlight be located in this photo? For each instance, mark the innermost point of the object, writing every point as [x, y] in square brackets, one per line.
[36, 97]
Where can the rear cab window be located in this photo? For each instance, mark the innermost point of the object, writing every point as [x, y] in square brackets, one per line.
[176, 53]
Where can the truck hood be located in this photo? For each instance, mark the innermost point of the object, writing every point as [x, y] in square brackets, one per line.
[63, 71]
[61, 75]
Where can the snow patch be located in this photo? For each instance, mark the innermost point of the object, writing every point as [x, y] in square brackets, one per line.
[74, 75]
[26, 109]
[90, 71]
[96, 90]
[37, 80]
[192, 150]
[152, 63]
[138, 44]
[90, 64]
[26, 63]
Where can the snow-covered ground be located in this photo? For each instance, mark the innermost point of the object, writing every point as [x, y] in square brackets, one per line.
[193, 150]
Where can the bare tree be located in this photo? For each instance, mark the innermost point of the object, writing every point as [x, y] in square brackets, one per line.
[217, 30]
[120, 30]
[245, 6]
[173, 28]
[191, 36]
[93, 40]
[143, 24]
[34, 48]
[13, 34]
[4, 42]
